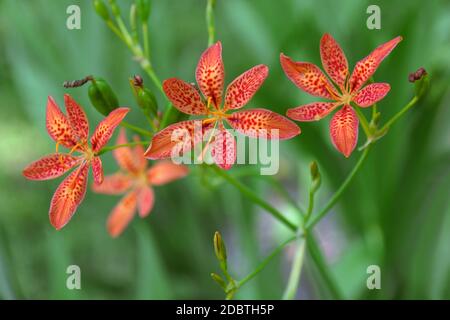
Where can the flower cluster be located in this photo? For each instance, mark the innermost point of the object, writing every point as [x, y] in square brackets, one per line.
[214, 110]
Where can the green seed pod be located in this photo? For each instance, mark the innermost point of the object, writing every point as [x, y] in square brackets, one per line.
[147, 102]
[143, 9]
[101, 9]
[102, 96]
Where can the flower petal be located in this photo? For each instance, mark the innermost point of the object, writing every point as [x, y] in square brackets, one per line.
[308, 77]
[344, 130]
[210, 73]
[223, 149]
[146, 200]
[312, 111]
[242, 89]
[50, 166]
[68, 196]
[333, 59]
[371, 94]
[106, 128]
[124, 156]
[58, 127]
[184, 96]
[122, 214]
[165, 171]
[138, 152]
[77, 117]
[177, 138]
[366, 67]
[116, 183]
[97, 170]
[261, 122]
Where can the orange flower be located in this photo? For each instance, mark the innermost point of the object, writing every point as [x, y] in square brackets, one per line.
[308, 77]
[72, 132]
[210, 78]
[136, 180]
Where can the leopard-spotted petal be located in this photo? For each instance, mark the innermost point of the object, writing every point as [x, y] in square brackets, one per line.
[223, 149]
[122, 214]
[106, 128]
[50, 166]
[371, 94]
[77, 117]
[344, 130]
[165, 171]
[333, 60]
[184, 96]
[58, 126]
[312, 111]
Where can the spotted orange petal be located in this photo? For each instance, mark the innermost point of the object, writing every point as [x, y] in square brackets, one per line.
[51, 166]
[77, 117]
[333, 60]
[223, 149]
[113, 184]
[242, 89]
[97, 170]
[138, 152]
[344, 130]
[210, 73]
[68, 196]
[146, 200]
[176, 139]
[184, 96]
[122, 214]
[312, 111]
[371, 94]
[308, 77]
[124, 156]
[261, 123]
[366, 67]
[165, 171]
[58, 127]
[106, 128]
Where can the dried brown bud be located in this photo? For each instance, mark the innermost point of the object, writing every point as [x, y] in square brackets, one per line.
[138, 81]
[413, 77]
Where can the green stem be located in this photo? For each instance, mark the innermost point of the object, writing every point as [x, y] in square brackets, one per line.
[310, 205]
[136, 129]
[315, 219]
[145, 36]
[262, 265]
[210, 21]
[294, 277]
[397, 116]
[322, 267]
[363, 121]
[117, 146]
[255, 198]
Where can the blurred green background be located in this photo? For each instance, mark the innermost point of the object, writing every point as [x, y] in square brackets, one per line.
[396, 213]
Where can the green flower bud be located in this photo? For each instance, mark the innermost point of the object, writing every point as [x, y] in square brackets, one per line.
[143, 9]
[220, 250]
[114, 7]
[315, 176]
[101, 9]
[219, 280]
[102, 96]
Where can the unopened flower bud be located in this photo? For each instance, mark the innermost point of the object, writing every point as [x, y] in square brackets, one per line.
[143, 9]
[220, 250]
[315, 176]
[145, 98]
[101, 9]
[219, 280]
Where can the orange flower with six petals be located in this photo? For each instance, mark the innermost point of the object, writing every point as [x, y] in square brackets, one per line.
[72, 132]
[210, 79]
[309, 78]
[136, 180]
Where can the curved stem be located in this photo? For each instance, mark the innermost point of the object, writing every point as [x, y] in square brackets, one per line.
[261, 266]
[294, 277]
[255, 198]
[136, 129]
[363, 121]
[315, 219]
[117, 146]
[408, 106]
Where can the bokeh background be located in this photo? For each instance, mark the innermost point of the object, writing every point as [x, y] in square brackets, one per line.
[396, 213]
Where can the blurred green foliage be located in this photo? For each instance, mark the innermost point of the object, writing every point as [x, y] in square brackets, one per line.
[396, 213]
